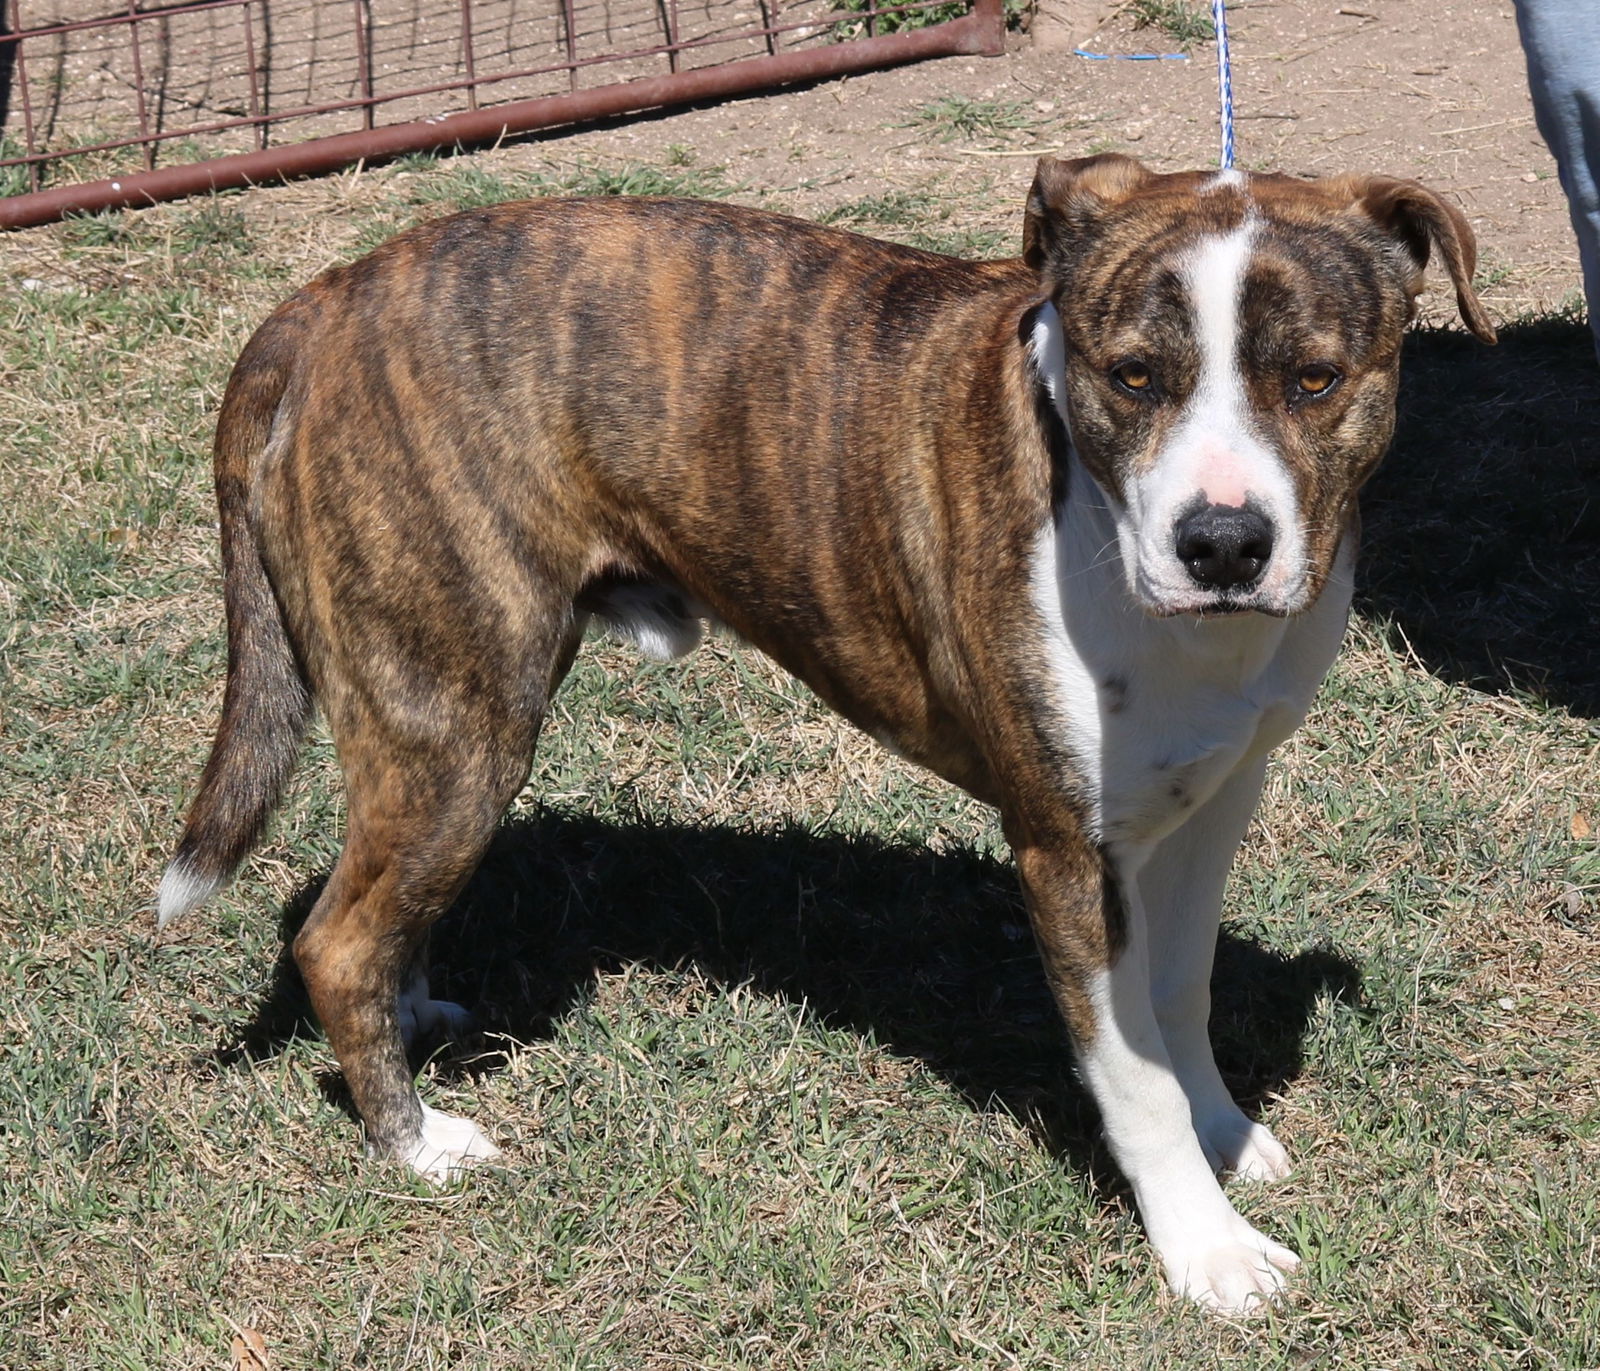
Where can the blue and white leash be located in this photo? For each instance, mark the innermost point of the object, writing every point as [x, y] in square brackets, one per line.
[1219, 21]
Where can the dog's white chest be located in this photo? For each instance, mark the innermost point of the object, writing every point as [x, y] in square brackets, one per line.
[1165, 745]
[1158, 713]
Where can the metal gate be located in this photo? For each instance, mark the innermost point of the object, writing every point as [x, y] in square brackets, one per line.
[104, 107]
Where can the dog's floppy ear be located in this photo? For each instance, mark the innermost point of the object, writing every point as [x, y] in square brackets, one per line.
[1420, 220]
[1069, 194]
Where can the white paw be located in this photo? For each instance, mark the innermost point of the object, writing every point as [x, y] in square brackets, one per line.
[1232, 1271]
[448, 1146]
[1237, 1144]
[430, 1021]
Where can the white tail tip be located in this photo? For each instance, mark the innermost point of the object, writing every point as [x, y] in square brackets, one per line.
[182, 889]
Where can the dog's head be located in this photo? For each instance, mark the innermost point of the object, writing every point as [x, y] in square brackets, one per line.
[1225, 348]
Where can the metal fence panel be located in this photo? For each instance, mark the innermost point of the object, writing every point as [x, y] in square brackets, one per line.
[105, 105]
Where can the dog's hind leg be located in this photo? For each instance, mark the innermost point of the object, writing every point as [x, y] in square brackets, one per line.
[417, 829]
[1182, 886]
[429, 771]
[423, 1019]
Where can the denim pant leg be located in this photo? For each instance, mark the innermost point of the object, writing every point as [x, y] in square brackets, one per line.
[1561, 40]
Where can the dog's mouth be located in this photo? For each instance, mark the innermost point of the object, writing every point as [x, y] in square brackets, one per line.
[1225, 607]
[1221, 610]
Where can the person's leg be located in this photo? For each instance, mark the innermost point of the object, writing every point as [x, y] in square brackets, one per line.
[1561, 40]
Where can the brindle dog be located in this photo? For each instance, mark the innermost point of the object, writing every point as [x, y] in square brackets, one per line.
[1074, 532]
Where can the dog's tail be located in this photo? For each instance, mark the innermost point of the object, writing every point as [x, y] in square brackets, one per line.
[266, 702]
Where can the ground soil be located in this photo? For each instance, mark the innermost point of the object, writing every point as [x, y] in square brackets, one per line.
[1434, 91]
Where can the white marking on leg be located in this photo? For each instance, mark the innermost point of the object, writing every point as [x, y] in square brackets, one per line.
[447, 1146]
[427, 1020]
[1238, 1146]
[1209, 1252]
[1181, 886]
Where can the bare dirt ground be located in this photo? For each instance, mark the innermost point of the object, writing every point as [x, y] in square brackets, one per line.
[1437, 92]
[1434, 91]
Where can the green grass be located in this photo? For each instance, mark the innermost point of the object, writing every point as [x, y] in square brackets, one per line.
[903, 209]
[435, 184]
[13, 179]
[459, 183]
[1493, 270]
[896, 21]
[909, 17]
[923, 218]
[767, 1046]
[1183, 22]
[956, 117]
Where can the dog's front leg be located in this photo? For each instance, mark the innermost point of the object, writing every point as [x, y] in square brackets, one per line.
[1092, 933]
[1181, 888]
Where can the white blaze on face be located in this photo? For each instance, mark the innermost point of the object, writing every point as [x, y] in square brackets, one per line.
[1213, 454]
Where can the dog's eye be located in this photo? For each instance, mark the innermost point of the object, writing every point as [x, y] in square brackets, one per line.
[1133, 377]
[1317, 379]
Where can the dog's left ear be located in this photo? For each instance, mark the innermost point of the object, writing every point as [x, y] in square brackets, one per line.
[1420, 220]
[1070, 194]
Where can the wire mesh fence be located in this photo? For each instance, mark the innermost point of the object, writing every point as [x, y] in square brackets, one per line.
[122, 104]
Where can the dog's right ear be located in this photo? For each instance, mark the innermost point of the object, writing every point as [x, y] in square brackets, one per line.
[1069, 194]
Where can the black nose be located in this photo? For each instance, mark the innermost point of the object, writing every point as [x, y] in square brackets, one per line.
[1224, 546]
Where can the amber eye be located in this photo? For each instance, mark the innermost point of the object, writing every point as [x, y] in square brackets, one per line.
[1134, 377]
[1317, 379]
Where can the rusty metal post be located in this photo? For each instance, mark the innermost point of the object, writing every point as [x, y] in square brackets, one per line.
[990, 18]
[35, 173]
[570, 19]
[146, 145]
[363, 61]
[467, 56]
[255, 76]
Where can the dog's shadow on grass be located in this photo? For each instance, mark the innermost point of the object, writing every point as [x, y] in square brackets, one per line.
[1482, 527]
[926, 952]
